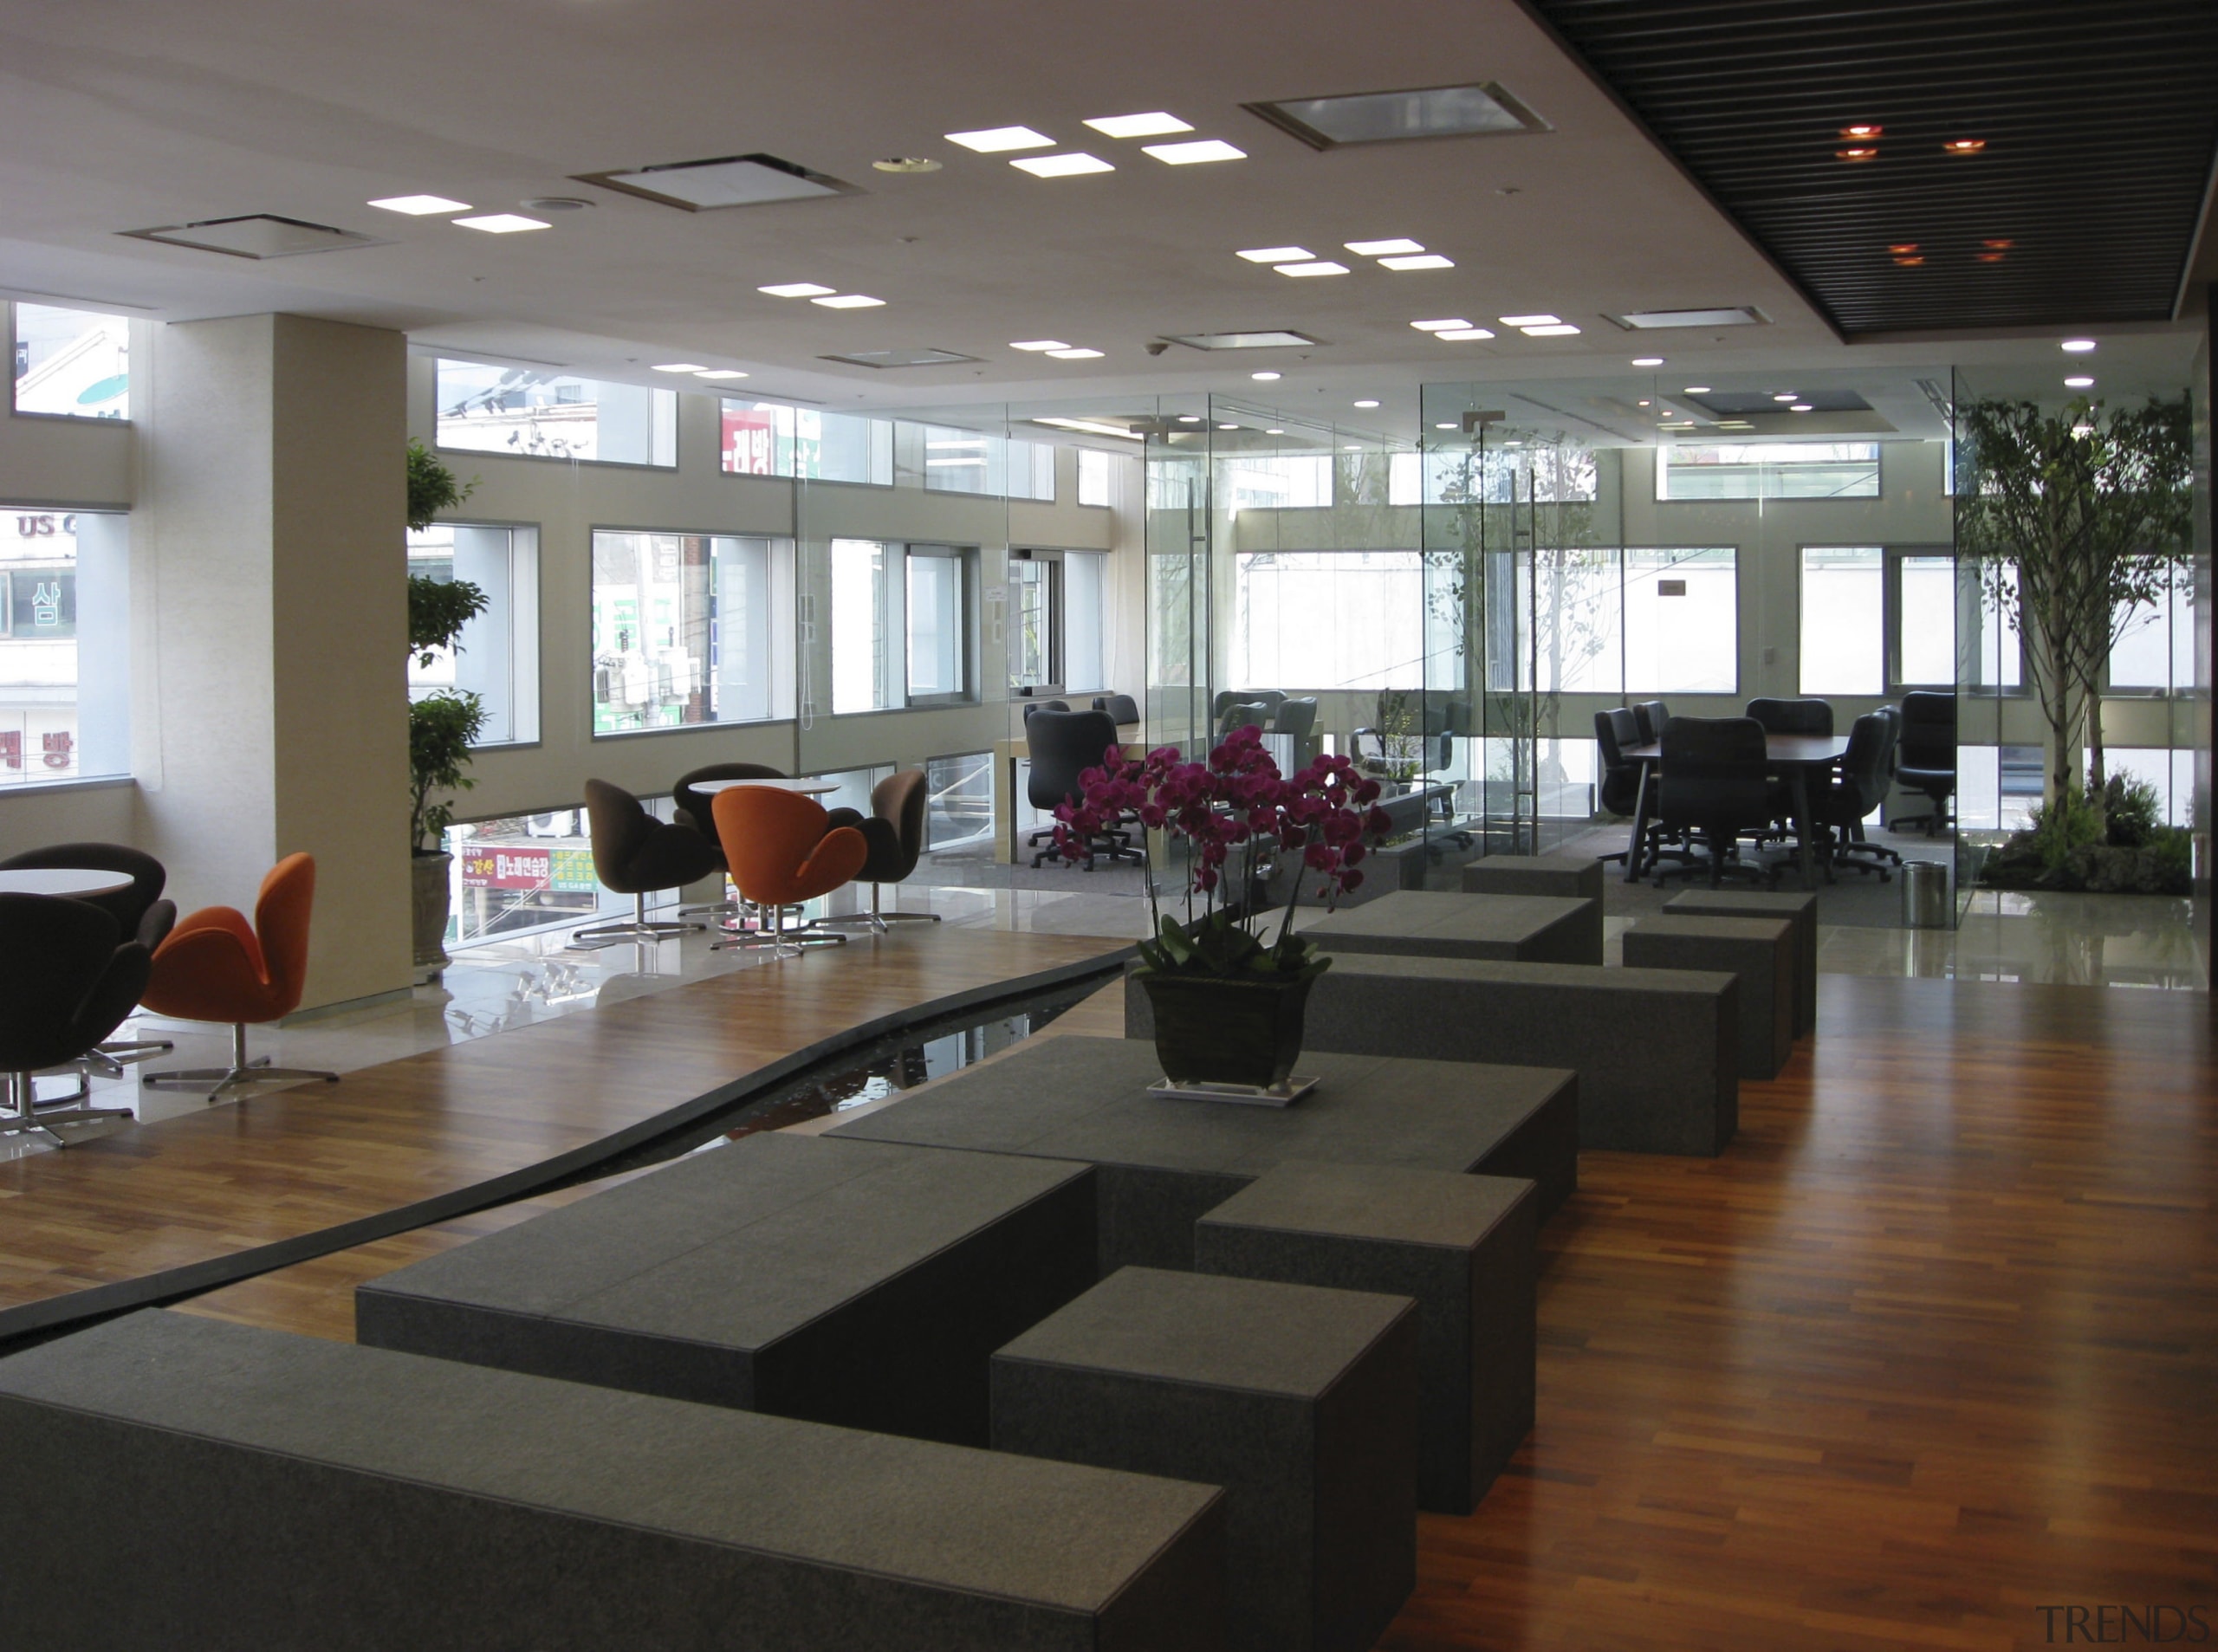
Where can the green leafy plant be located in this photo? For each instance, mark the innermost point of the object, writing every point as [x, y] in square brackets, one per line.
[2132, 811]
[441, 730]
[442, 727]
[2068, 821]
[437, 610]
[431, 487]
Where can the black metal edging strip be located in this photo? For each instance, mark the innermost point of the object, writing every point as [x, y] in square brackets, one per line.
[35, 1321]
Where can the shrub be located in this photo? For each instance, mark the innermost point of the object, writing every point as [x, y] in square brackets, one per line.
[2072, 822]
[2131, 812]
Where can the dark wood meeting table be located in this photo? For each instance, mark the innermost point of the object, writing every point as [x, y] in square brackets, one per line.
[1793, 758]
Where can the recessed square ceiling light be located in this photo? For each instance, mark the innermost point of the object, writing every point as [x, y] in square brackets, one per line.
[1322, 266]
[1450, 325]
[1419, 260]
[1276, 340]
[1277, 255]
[1642, 320]
[1138, 125]
[1074, 356]
[1471, 111]
[420, 206]
[500, 223]
[1465, 334]
[994, 139]
[1067, 165]
[682, 366]
[1041, 344]
[1532, 320]
[256, 235]
[720, 372]
[1193, 154]
[882, 359]
[848, 301]
[798, 289]
[1381, 248]
[728, 180]
[1560, 330]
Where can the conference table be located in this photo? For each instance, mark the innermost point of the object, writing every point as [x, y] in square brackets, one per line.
[1793, 757]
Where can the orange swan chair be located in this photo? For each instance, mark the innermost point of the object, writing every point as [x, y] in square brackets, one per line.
[782, 849]
[216, 967]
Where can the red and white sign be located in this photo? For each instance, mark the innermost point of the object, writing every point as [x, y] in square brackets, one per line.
[506, 868]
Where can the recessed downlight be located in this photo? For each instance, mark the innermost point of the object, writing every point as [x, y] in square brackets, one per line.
[906, 164]
[1696, 390]
[1367, 403]
[1190, 418]
[1532, 320]
[1075, 354]
[1450, 325]
[1041, 344]
[1465, 334]
[1194, 154]
[1264, 378]
[1551, 330]
[720, 372]
[1382, 249]
[420, 206]
[798, 289]
[1445, 425]
[1784, 395]
[1320, 266]
[1158, 125]
[2078, 346]
[1800, 407]
[1228, 426]
[1648, 361]
[1073, 164]
[1417, 261]
[501, 223]
[995, 141]
[1274, 430]
[848, 301]
[1278, 254]
[1964, 146]
[1865, 129]
[2078, 381]
[683, 367]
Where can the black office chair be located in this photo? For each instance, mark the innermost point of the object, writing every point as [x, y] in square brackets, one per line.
[1034, 707]
[894, 829]
[694, 809]
[1715, 785]
[65, 984]
[1793, 716]
[139, 912]
[1650, 716]
[1121, 708]
[1226, 698]
[1859, 787]
[1063, 745]
[634, 853]
[1297, 718]
[1620, 788]
[1925, 758]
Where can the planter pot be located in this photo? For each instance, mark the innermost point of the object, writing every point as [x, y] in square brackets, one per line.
[431, 910]
[1213, 1030]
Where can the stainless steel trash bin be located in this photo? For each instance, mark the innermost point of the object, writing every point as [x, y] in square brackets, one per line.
[1925, 895]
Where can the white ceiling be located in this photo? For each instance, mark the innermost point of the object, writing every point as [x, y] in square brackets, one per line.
[132, 113]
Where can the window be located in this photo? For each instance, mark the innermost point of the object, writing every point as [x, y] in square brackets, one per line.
[863, 651]
[74, 364]
[2155, 645]
[771, 439]
[945, 460]
[1328, 620]
[1084, 611]
[1576, 613]
[1769, 470]
[1682, 631]
[537, 415]
[65, 653]
[689, 628]
[1925, 621]
[1844, 626]
[498, 659]
[958, 800]
[1284, 482]
[1093, 477]
[901, 624]
[1996, 656]
[1054, 619]
[938, 626]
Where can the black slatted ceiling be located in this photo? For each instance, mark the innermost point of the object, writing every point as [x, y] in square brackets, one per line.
[2100, 118]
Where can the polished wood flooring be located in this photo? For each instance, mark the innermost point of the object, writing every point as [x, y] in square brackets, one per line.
[1932, 1345]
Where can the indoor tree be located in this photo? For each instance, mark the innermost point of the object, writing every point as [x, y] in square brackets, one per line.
[441, 726]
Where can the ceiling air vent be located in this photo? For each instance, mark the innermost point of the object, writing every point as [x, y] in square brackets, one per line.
[1480, 110]
[733, 180]
[260, 235]
[1645, 320]
[1280, 340]
[899, 357]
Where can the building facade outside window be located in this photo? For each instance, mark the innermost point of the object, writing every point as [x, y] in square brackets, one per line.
[71, 364]
[533, 414]
[65, 646]
[498, 660]
[771, 439]
[690, 629]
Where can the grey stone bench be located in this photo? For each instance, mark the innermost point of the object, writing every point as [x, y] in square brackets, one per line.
[1759, 951]
[1557, 874]
[1163, 1161]
[1540, 929]
[838, 1282]
[1300, 1402]
[1801, 909]
[1657, 1051]
[1464, 1246]
[236, 1490]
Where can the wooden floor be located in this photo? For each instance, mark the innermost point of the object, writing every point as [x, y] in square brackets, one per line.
[1935, 1344]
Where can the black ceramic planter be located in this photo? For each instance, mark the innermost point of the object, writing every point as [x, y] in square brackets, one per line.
[1215, 1029]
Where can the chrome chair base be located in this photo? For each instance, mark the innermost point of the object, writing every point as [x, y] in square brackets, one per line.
[876, 918]
[241, 1072]
[639, 929]
[108, 1060]
[25, 1114]
[783, 942]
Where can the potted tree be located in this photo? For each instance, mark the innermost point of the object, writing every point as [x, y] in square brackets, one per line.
[443, 724]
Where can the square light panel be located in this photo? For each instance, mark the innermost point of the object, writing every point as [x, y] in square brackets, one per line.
[1075, 355]
[1554, 330]
[1278, 254]
[1194, 154]
[1382, 248]
[1066, 166]
[1138, 125]
[1482, 109]
[720, 372]
[1419, 260]
[683, 367]
[1319, 267]
[1041, 344]
[500, 223]
[1449, 325]
[996, 140]
[420, 206]
[1532, 320]
[1465, 334]
[848, 301]
[798, 289]
[731, 181]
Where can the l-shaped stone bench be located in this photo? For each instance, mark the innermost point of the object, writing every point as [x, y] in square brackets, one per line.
[232, 1490]
[1657, 1051]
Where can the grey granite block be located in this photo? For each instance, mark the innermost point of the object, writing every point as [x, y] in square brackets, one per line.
[840, 1281]
[1657, 1051]
[237, 1490]
[1464, 1246]
[1302, 1402]
[1558, 875]
[1800, 909]
[1759, 951]
[1163, 1161]
[1541, 929]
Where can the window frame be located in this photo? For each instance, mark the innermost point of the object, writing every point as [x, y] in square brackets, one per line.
[1053, 683]
[966, 622]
